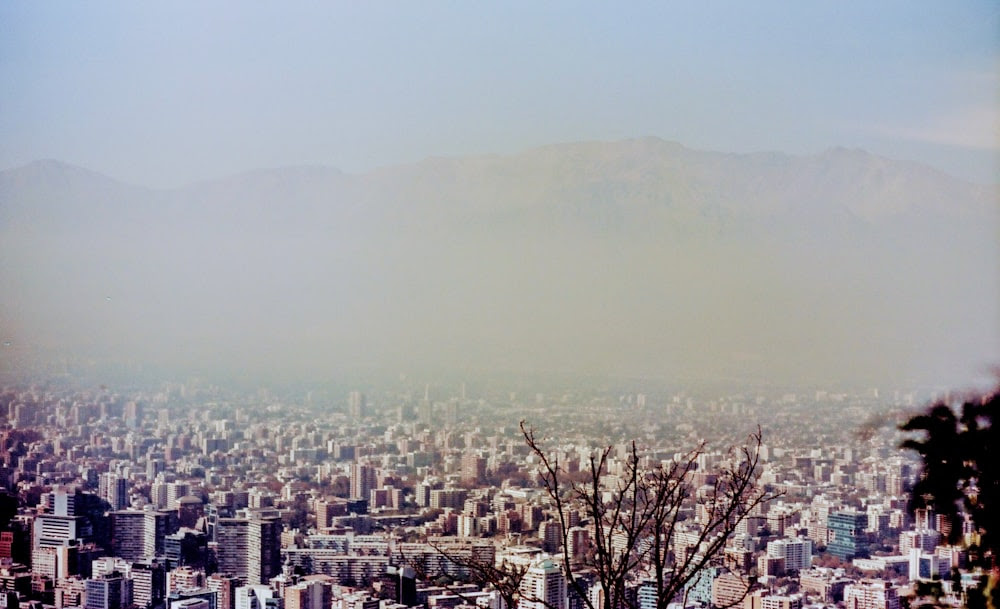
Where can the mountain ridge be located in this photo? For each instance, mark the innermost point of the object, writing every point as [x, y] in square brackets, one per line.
[637, 257]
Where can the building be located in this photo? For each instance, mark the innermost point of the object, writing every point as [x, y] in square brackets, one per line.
[184, 579]
[54, 530]
[848, 534]
[149, 583]
[729, 589]
[923, 565]
[128, 534]
[225, 588]
[114, 490]
[202, 598]
[250, 547]
[113, 591]
[257, 597]
[312, 594]
[774, 601]
[877, 594]
[356, 405]
[699, 588]
[362, 480]
[473, 468]
[543, 587]
[399, 585]
[797, 553]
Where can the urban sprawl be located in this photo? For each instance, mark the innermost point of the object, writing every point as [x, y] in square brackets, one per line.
[194, 497]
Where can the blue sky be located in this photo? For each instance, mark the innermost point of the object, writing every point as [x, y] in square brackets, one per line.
[163, 94]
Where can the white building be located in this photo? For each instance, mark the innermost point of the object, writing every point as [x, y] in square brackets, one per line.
[796, 552]
[543, 587]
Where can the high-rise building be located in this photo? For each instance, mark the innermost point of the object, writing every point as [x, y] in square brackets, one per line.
[128, 534]
[729, 589]
[250, 547]
[543, 587]
[362, 480]
[550, 533]
[399, 585]
[114, 489]
[579, 542]
[256, 597]
[849, 538]
[51, 530]
[451, 413]
[425, 412]
[149, 583]
[473, 468]
[176, 490]
[139, 534]
[326, 511]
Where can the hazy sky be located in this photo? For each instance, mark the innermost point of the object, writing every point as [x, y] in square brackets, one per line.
[167, 93]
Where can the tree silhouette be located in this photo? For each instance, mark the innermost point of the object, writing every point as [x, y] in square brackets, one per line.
[642, 522]
[960, 457]
[959, 479]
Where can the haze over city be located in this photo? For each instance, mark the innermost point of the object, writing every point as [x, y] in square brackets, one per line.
[770, 193]
[514, 305]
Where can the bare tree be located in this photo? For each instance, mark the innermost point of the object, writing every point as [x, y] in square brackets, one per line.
[648, 524]
[639, 517]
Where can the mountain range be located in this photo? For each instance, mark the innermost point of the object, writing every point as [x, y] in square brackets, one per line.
[634, 258]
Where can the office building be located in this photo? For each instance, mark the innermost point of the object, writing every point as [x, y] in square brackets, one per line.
[848, 535]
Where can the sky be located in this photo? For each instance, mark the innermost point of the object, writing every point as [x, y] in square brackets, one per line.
[169, 93]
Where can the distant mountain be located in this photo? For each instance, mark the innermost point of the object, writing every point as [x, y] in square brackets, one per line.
[635, 257]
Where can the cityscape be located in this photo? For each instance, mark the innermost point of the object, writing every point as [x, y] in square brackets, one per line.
[191, 496]
[499, 305]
